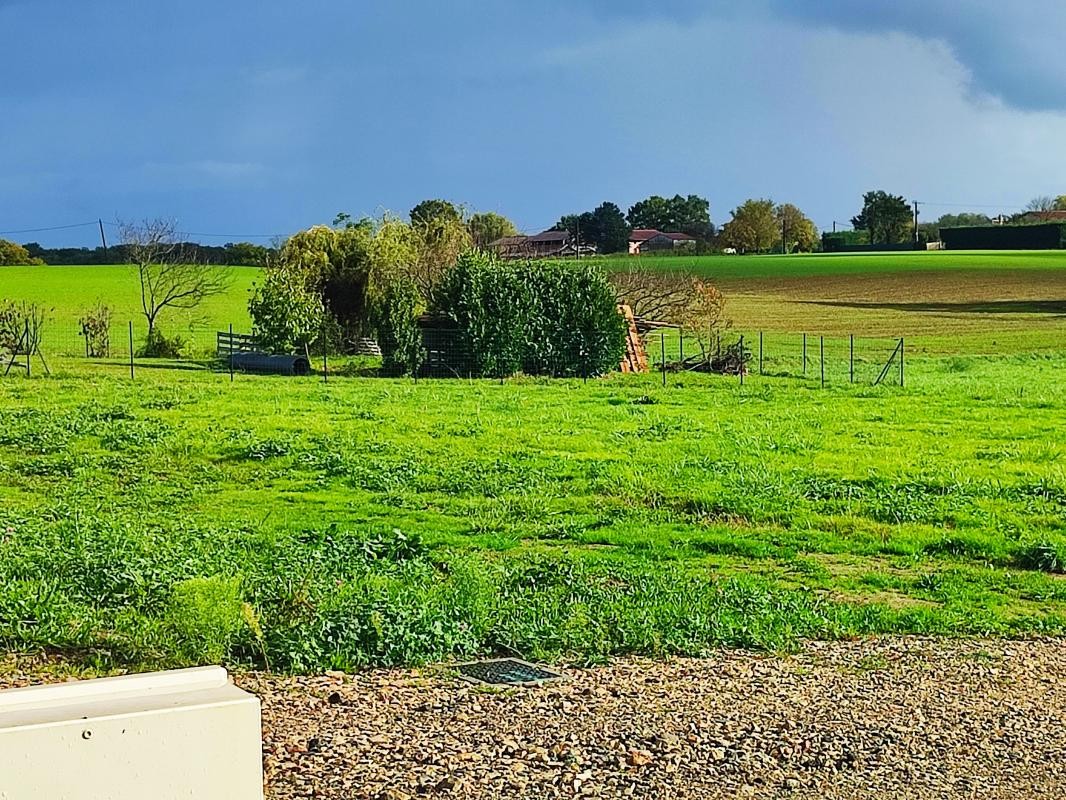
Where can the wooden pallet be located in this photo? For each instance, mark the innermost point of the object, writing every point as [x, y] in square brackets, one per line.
[636, 357]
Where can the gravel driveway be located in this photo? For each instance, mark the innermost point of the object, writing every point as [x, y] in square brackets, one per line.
[870, 719]
[884, 718]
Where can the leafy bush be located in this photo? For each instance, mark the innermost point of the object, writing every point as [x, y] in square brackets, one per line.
[159, 345]
[542, 317]
[95, 326]
[20, 326]
[12, 254]
[574, 328]
[394, 316]
[489, 302]
[286, 310]
[1044, 556]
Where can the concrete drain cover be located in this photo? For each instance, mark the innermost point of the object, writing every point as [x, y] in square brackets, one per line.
[507, 672]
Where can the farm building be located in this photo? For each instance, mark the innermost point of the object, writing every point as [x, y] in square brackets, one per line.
[547, 244]
[647, 240]
[511, 247]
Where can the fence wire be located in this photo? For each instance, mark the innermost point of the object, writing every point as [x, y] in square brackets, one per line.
[828, 360]
[832, 360]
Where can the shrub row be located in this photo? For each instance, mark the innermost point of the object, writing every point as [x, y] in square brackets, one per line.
[540, 318]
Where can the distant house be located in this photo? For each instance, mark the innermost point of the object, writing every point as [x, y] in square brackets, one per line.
[548, 244]
[1045, 216]
[648, 240]
[511, 247]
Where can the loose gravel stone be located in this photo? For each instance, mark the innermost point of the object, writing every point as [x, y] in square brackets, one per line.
[877, 718]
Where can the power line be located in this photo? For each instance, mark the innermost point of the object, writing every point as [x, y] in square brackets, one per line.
[218, 235]
[52, 228]
[969, 205]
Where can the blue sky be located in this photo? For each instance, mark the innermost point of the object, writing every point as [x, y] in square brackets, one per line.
[263, 117]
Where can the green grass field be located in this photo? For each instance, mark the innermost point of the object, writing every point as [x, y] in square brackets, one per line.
[68, 292]
[946, 303]
[182, 518]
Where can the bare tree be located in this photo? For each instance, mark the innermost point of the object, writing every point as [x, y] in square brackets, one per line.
[696, 306]
[1041, 204]
[170, 274]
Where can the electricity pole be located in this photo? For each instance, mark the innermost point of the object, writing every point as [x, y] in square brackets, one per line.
[916, 224]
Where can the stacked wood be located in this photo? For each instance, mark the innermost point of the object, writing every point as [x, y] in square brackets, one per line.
[636, 357]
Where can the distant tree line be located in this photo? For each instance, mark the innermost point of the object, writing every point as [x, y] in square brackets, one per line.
[243, 254]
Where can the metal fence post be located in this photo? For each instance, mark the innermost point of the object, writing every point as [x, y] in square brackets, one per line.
[804, 354]
[662, 352]
[901, 361]
[681, 346]
[231, 352]
[760, 352]
[851, 358]
[28, 349]
[131, 349]
[741, 370]
[821, 359]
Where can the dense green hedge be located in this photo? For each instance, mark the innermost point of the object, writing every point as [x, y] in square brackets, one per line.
[541, 318]
[394, 320]
[1049, 236]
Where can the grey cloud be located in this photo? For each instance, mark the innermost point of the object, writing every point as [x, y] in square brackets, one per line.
[1013, 51]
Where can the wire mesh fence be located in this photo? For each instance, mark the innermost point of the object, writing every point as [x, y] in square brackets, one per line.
[440, 354]
[828, 360]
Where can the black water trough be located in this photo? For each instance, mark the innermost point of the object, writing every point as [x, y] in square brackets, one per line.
[272, 364]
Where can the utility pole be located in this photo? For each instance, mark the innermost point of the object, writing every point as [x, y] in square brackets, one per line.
[103, 239]
[916, 223]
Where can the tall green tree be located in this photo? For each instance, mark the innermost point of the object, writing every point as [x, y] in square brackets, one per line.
[605, 227]
[796, 232]
[485, 228]
[886, 217]
[753, 228]
[433, 210]
[689, 215]
[612, 230]
[1060, 203]
[654, 212]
